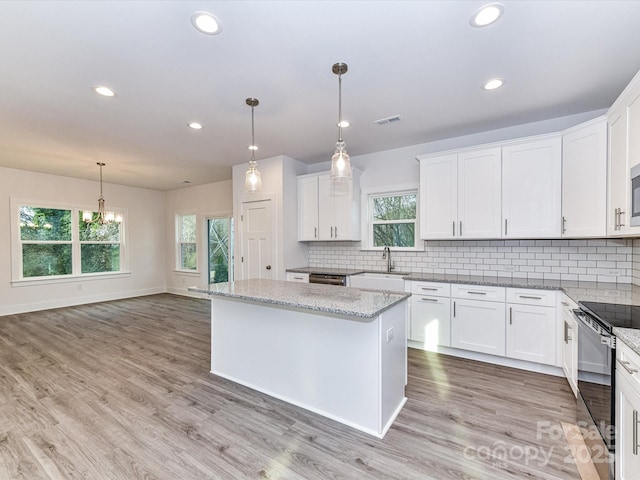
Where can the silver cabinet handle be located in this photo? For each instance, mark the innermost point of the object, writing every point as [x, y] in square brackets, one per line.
[429, 289]
[315, 232]
[298, 278]
[460, 230]
[505, 227]
[564, 225]
[335, 229]
[635, 432]
[627, 367]
[616, 219]
[454, 308]
[426, 299]
[530, 297]
[566, 332]
[620, 213]
[453, 224]
[476, 293]
[564, 304]
[331, 232]
[510, 315]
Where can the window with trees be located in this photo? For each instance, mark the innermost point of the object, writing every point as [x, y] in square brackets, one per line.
[392, 219]
[56, 242]
[187, 242]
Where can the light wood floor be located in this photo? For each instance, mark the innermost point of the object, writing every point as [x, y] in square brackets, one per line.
[121, 390]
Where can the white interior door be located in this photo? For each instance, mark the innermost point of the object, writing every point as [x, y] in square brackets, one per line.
[257, 251]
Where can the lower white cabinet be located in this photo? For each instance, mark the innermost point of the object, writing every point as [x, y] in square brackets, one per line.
[430, 321]
[569, 342]
[627, 414]
[297, 277]
[478, 326]
[531, 333]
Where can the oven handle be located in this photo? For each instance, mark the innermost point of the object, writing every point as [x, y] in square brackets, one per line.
[605, 338]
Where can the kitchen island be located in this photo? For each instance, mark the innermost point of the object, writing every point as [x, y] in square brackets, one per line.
[337, 351]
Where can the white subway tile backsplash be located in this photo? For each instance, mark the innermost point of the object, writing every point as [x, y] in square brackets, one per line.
[616, 260]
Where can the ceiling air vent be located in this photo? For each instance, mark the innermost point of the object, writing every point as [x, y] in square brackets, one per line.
[384, 121]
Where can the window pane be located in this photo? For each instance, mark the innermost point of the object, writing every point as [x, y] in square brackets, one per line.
[100, 258]
[188, 228]
[94, 232]
[394, 235]
[219, 250]
[45, 224]
[41, 260]
[188, 256]
[399, 207]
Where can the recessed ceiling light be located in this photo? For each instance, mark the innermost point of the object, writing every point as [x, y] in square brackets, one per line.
[493, 84]
[195, 125]
[104, 91]
[206, 22]
[487, 14]
[343, 124]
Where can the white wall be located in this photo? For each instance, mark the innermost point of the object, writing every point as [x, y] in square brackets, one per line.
[144, 236]
[210, 200]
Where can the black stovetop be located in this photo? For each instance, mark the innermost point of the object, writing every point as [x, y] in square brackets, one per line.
[614, 315]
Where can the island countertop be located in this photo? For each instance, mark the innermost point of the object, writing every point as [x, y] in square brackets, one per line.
[354, 302]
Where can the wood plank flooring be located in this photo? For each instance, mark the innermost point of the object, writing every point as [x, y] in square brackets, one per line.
[122, 390]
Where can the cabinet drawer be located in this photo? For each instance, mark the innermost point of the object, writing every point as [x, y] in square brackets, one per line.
[628, 364]
[528, 296]
[297, 277]
[478, 292]
[433, 289]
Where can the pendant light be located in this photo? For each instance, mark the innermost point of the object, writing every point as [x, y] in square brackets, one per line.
[103, 216]
[340, 161]
[252, 179]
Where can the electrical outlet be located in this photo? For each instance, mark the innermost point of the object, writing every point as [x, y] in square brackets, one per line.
[509, 268]
[389, 334]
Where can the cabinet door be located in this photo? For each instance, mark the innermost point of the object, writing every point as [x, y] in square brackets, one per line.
[584, 181]
[438, 197]
[570, 350]
[627, 430]
[531, 333]
[342, 212]
[308, 208]
[431, 321]
[326, 219]
[478, 326]
[479, 193]
[619, 183]
[531, 189]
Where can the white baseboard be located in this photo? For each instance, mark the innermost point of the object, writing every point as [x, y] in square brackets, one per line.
[70, 302]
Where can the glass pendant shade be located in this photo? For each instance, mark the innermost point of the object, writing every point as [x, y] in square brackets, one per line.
[341, 164]
[252, 179]
[103, 215]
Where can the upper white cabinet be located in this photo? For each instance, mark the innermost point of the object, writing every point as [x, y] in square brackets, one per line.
[460, 195]
[531, 188]
[624, 153]
[328, 210]
[584, 180]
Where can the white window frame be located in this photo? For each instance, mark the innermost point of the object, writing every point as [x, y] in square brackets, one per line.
[17, 277]
[367, 196]
[179, 242]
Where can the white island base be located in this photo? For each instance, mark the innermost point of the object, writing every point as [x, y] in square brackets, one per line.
[350, 369]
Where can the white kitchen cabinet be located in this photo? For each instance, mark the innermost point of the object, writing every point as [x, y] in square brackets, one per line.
[478, 325]
[569, 342]
[328, 210]
[460, 195]
[430, 321]
[308, 207]
[531, 188]
[584, 180]
[627, 414]
[531, 333]
[297, 277]
[618, 180]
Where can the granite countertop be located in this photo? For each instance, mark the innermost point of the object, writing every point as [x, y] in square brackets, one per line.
[353, 302]
[342, 271]
[630, 336]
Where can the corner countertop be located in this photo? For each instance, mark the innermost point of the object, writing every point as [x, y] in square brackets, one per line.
[353, 302]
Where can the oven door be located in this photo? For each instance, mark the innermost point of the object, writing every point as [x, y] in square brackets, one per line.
[595, 409]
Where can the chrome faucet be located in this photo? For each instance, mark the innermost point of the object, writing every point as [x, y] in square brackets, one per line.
[386, 253]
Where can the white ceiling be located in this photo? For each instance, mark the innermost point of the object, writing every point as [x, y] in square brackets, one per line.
[420, 60]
